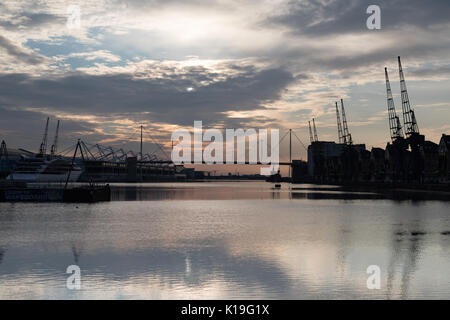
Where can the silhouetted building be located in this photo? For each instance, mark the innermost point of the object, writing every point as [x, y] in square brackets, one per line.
[430, 155]
[324, 160]
[377, 165]
[299, 171]
[444, 158]
[397, 161]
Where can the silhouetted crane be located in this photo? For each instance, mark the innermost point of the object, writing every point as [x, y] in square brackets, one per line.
[43, 147]
[342, 138]
[316, 137]
[347, 135]
[394, 121]
[409, 118]
[311, 139]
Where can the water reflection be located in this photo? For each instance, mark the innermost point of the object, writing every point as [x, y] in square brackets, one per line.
[258, 190]
[280, 244]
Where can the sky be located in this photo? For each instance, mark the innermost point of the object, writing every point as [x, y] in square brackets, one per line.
[229, 63]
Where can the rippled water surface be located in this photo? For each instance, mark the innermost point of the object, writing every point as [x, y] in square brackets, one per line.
[226, 240]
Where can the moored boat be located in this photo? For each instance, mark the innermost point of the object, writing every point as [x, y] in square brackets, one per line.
[40, 169]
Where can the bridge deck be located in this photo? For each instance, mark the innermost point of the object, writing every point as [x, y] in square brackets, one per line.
[235, 162]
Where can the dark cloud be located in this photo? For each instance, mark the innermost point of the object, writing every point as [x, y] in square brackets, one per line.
[31, 20]
[39, 19]
[350, 64]
[165, 99]
[19, 53]
[431, 71]
[326, 18]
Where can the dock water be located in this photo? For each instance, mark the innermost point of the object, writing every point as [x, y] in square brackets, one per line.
[23, 192]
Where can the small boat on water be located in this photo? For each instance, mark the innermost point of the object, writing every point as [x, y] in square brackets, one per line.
[41, 169]
[274, 177]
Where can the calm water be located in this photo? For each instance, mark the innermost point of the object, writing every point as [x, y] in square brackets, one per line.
[226, 240]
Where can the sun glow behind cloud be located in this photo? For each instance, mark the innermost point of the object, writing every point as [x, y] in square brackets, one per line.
[229, 63]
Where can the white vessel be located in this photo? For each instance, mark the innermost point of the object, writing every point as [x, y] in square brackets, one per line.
[38, 169]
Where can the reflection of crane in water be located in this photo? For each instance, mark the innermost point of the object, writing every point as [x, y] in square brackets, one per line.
[410, 265]
[76, 253]
[411, 246]
[344, 240]
[2, 253]
[395, 255]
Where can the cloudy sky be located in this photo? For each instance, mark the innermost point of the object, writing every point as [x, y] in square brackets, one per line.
[229, 63]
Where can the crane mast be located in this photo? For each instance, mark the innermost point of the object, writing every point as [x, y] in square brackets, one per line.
[394, 121]
[409, 119]
[311, 139]
[347, 135]
[43, 147]
[316, 137]
[342, 138]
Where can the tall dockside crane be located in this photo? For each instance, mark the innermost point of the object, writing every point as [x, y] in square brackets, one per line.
[55, 142]
[409, 118]
[394, 121]
[414, 140]
[316, 137]
[43, 147]
[347, 135]
[311, 139]
[342, 138]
